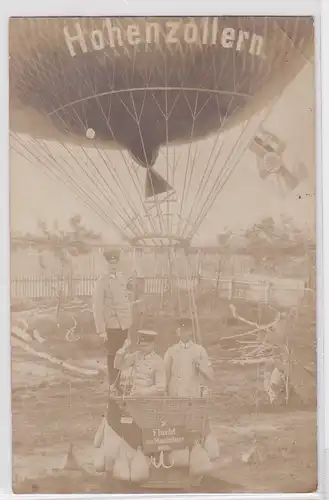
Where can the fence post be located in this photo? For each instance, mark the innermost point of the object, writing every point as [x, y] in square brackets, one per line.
[230, 290]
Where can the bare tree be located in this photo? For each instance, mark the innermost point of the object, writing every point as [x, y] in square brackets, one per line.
[271, 243]
[62, 244]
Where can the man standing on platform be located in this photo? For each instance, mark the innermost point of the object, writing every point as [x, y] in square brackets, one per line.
[112, 310]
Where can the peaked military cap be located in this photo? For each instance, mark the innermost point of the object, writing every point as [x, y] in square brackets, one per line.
[147, 335]
[112, 254]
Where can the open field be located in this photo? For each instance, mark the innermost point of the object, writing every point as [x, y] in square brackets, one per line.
[53, 406]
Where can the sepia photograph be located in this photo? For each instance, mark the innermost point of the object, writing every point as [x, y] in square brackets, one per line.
[163, 254]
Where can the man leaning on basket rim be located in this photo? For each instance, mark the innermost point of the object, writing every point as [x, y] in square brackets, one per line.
[142, 371]
[187, 364]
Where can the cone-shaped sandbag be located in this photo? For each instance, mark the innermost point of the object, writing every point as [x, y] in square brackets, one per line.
[155, 184]
[70, 462]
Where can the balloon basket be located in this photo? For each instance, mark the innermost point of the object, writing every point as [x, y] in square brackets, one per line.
[167, 424]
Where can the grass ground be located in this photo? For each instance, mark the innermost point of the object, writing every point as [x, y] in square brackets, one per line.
[52, 408]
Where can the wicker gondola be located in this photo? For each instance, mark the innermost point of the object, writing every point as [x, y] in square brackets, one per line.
[186, 418]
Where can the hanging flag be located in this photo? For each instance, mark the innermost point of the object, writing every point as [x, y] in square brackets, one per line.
[269, 151]
[266, 142]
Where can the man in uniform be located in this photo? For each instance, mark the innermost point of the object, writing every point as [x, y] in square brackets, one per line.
[142, 374]
[142, 370]
[112, 309]
[187, 364]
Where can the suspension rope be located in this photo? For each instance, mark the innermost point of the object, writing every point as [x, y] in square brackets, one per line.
[46, 166]
[85, 125]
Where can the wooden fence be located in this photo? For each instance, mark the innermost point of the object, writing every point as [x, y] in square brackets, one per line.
[283, 292]
[35, 287]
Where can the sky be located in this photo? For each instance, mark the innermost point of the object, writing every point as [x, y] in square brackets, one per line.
[244, 200]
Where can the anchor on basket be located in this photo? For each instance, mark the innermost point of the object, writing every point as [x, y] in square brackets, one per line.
[161, 462]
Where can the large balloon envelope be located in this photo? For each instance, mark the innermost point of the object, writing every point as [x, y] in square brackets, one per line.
[138, 84]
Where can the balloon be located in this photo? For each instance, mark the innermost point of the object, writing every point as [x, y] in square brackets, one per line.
[138, 85]
[141, 83]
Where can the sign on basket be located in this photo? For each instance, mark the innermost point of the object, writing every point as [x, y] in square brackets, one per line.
[164, 439]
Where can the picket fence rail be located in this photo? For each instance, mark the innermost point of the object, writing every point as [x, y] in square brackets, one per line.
[286, 292]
